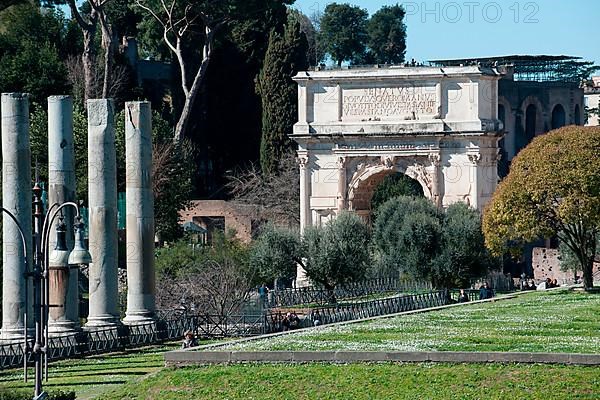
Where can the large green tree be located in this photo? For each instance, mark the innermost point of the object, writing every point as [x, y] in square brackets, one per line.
[286, 55]
[415, 237]
[344, 31]
[553, 188]
[387, 35]
[32, 46]
[190, 30]
[393, 186]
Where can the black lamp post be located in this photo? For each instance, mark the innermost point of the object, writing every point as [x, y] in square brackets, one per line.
[41, 304]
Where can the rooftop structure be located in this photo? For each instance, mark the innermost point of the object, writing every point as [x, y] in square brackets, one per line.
[536, 68]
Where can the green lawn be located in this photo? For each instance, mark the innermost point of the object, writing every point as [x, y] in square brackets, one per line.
[554, 321]
[366, 381]
[89, 377]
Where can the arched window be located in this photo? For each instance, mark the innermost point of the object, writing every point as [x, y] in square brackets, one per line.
[530, 117]
[558, 117]
[577, 116]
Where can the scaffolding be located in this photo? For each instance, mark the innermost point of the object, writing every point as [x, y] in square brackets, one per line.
[542, 68]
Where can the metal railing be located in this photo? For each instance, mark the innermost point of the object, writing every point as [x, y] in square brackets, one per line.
[275, 322]
[319, 296]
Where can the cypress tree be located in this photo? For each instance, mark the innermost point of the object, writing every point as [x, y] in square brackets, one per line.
[285, 56]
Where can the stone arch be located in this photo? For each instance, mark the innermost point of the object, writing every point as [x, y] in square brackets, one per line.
[559, 117]
[535, 124]
[368, 177]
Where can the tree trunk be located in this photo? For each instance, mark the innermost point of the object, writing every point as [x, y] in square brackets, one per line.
[588, 273]
[87, 59]
[108, 42]
[190, 97]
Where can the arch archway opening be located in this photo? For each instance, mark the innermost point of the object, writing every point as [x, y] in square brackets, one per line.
[380, 187]
[558, 117]
[530, 122]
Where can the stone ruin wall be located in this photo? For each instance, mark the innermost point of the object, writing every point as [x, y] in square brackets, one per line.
[546, 264]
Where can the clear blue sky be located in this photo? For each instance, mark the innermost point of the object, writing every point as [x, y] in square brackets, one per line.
[463, 29]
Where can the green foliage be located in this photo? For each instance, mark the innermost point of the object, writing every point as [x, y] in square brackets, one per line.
[285, 56]
[344, 31]
[32, 45]
[276, 253]
[463, 255]
[314, 51]
[553, 188]
[393, 186]
[387, 35]
[414, 237]
[331, 255]
[337, 253]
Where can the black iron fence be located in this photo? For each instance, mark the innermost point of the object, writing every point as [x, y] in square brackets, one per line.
[319, 296]
[123, 337]
[172, 326]
[275, 322]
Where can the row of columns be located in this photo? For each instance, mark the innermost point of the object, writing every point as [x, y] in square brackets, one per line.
[103, 236]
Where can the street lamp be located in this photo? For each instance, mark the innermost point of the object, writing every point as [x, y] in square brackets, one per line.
[39, 274]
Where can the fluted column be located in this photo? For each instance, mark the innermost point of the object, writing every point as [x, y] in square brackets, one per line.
[64, 278]
[102, 193]
[16, 198]
[140, 213]
[305, 217]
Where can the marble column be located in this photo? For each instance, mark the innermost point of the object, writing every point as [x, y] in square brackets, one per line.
[64, 278]
[140, 213]
[305, 213]
[16, 198]
[305, 216]
[102, 193]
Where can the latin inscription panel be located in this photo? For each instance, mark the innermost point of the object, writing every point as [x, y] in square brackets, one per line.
[388, 103]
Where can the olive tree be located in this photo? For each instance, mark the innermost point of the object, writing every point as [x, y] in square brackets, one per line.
[413, 236]
[552, 189]
[334, 254]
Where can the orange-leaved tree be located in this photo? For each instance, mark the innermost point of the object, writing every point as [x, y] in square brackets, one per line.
[553, 188]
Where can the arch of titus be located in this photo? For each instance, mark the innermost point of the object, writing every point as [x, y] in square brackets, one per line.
[439, 126]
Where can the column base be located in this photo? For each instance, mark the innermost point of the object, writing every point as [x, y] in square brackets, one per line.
[60, 328]
[102, 322]
[15, 334]
[139, 317]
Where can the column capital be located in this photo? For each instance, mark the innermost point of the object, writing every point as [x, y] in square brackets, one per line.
[302, 160]
[388, 161]
[474, 158]
[435, 159]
